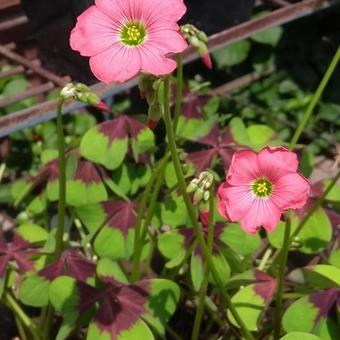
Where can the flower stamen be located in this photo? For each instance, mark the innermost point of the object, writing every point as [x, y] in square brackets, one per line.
[262, 188]
[133, 33]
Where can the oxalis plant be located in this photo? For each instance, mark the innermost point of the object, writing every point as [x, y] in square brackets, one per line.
[146, 230]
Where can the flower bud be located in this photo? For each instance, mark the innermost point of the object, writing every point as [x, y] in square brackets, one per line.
[206, 195]
[83, 93]
[193, 186]
[198, 195]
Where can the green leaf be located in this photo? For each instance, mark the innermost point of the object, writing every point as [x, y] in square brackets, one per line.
[239, 241]
[260, 135]
[334, 257]
[138, 331]
[32, 233]
[270, 36]
[173, 211]
[315, 310]
[239, 132]
[123, 245]
[233, 54]
[317, 276]
[314, 236]
[300, 336]
[79, 193]
[162, 302]
[96, 147]
[334, 194]
[196, 271]
[249, 306]
[34, 291]
[108, 268]
[171, 246]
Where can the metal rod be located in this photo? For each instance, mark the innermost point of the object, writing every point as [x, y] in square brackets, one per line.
[27, 63]
[26, 94]
[12, 23]
[46, 111]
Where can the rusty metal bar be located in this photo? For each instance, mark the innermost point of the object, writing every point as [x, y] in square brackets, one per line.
[26, 94]
[46, 111]
[278, 3]
[37, 69]
[12, 72]
[15, 22]
[241, 82]
[275, 18]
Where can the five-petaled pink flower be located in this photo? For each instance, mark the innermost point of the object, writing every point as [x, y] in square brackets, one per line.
[260, 187]
[124, 37]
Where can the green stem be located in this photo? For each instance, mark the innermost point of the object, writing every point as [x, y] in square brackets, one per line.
[315, 206]
[280, 279]
[21, 329]
[204, 287]
[265, 259]
[191, 210]
[135, 273]
[23, 317]
[179, 90]
[62, 181]
[315, 99]
[153, 201]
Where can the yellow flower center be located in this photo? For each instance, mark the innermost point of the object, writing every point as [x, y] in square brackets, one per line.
[262, 187]
[133, 33]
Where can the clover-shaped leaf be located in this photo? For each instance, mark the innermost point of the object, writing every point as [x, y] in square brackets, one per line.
[108, 142]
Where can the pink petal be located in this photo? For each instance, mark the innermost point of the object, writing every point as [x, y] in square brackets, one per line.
[275, 162]
[167, 40]
[237, 200]
[221, 203]
[263, 212]
[117, 10]
[117, 64]
[93, 33]
[291, 191]
[243, 169]
[155, 63]
[162, 14]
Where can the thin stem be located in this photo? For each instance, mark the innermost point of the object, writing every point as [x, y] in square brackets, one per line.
[153, 201]
[280, 279]
[19, 313]
[204, 287]
[21, 329]
[265, 259]
[62, 181]
[135, 273]
[315, 99]
[315, 206]
[179, 89]
[191, 211]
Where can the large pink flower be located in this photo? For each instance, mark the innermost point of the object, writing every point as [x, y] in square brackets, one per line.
[124, 37]
[260, 187]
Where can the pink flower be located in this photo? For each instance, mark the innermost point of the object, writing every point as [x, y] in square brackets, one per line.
[124, 37]
[260, 187]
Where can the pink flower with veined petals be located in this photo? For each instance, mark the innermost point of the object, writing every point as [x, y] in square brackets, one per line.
[260, 187]
[124, 37]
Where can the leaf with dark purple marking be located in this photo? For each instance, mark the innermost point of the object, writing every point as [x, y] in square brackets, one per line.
[18, 251]
[122, 309]
[86, 186]
[250, 301]
[112, 222]
[334, 257]
[221, 145]
[34, 288]
[70, 263]
[317, 310]
[108, 142]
